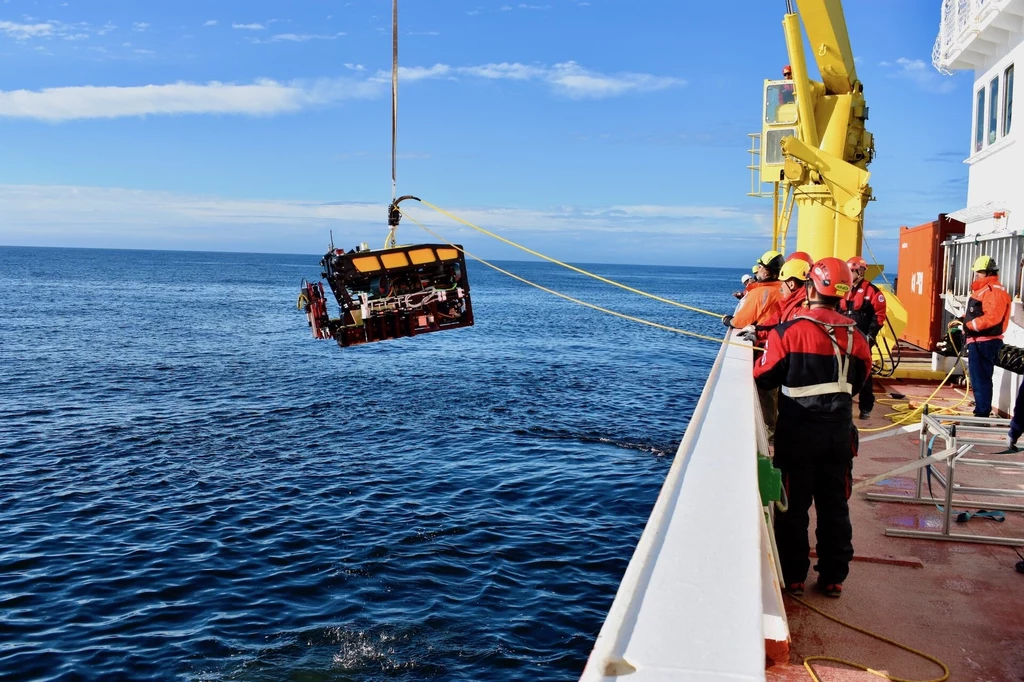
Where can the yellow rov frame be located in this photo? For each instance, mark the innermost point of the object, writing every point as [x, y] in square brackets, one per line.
[814, 149]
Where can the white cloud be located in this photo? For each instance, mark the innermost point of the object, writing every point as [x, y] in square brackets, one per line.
[249, 27]
[575, 81]
[268, 97]
[415, 73]
[567, 78]
[100, 215]
[922, 75]
[302, 37]
[25, 31]
[140, 26]
[423, 33]
[517, 72]
[210, 22]
[262, 98]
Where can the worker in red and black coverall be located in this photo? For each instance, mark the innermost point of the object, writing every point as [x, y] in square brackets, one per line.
[866, 306]
[794, 296]
[986, 319]
[819, 360]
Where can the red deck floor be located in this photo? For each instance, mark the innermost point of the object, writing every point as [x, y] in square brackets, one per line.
[960, 602]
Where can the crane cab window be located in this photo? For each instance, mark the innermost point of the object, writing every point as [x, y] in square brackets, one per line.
[779, 102]
[773, 155]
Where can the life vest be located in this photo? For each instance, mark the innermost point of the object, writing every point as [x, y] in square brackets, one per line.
[997, 296]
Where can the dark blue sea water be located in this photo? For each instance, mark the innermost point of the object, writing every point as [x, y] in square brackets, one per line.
[192, 488]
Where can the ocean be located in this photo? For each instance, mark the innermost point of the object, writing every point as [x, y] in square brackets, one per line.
[193, 488]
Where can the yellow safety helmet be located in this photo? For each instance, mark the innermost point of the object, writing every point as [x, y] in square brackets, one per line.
[772, 260]
[985, 264]
[795, 269]
[754, 269]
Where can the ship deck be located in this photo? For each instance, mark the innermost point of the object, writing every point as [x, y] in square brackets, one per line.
[960, 602]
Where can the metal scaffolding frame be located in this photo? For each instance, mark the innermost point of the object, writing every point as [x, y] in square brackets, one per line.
[959, 435]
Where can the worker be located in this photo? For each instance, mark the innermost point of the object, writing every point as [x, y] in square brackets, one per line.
[866, 306]
[986, 319]
[786, 93]
[760, 304]
[819, 359]
[762, 296]
[794, 297]
[802, 255]
[748, 282]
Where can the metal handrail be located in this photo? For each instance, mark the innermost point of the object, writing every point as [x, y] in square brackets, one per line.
[960, 20]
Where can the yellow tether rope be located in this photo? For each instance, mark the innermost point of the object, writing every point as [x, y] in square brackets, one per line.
[810, 660]
[565, 265]
[576, 300]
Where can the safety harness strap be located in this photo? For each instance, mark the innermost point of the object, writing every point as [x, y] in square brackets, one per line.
[842, 385]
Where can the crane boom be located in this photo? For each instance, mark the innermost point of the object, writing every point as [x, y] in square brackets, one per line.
[826, 31]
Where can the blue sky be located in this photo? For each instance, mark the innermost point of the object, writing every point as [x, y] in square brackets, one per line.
[593, 130]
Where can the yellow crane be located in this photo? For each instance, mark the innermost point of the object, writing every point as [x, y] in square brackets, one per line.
[814, 148]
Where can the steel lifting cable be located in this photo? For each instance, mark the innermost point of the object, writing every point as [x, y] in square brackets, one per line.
[394, 99]
[566, 265]
[810, 660]
[592, 306]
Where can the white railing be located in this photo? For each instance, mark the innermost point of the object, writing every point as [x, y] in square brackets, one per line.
[693, 604]
[961, 21]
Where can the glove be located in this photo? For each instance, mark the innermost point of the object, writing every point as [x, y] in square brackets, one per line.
[738, 294]
[727, 320]
[871, 339]
[956, 323]
[749, 333]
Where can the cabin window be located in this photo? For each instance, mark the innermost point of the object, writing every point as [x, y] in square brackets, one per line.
[979, 122]
[1007, 99]
[993, 108]
[780, 103]
[773, 145]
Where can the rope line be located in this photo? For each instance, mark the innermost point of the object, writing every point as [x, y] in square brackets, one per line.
[592, 306]
[810, 660]
[566, 265]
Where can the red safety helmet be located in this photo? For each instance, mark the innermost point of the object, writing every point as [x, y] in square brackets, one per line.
[831, 277]
[787, 70]
[857, 263]
[802, 255]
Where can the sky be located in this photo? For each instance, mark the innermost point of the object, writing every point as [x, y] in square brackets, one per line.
[591, 130]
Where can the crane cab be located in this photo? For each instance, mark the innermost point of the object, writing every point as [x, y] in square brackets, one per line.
[780, 120]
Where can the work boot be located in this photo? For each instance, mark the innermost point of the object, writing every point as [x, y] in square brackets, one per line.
[795, 589]
[833, 590]
[865, 414]
[1011, 446]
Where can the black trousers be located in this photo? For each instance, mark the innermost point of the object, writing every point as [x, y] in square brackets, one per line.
[816, 460]
[867, 396]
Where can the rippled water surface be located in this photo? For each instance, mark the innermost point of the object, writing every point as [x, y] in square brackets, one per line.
[192, 488]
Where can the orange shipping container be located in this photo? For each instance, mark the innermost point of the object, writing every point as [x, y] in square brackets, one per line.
[919, 279]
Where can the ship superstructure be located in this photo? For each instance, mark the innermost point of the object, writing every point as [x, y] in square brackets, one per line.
[986, 37]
